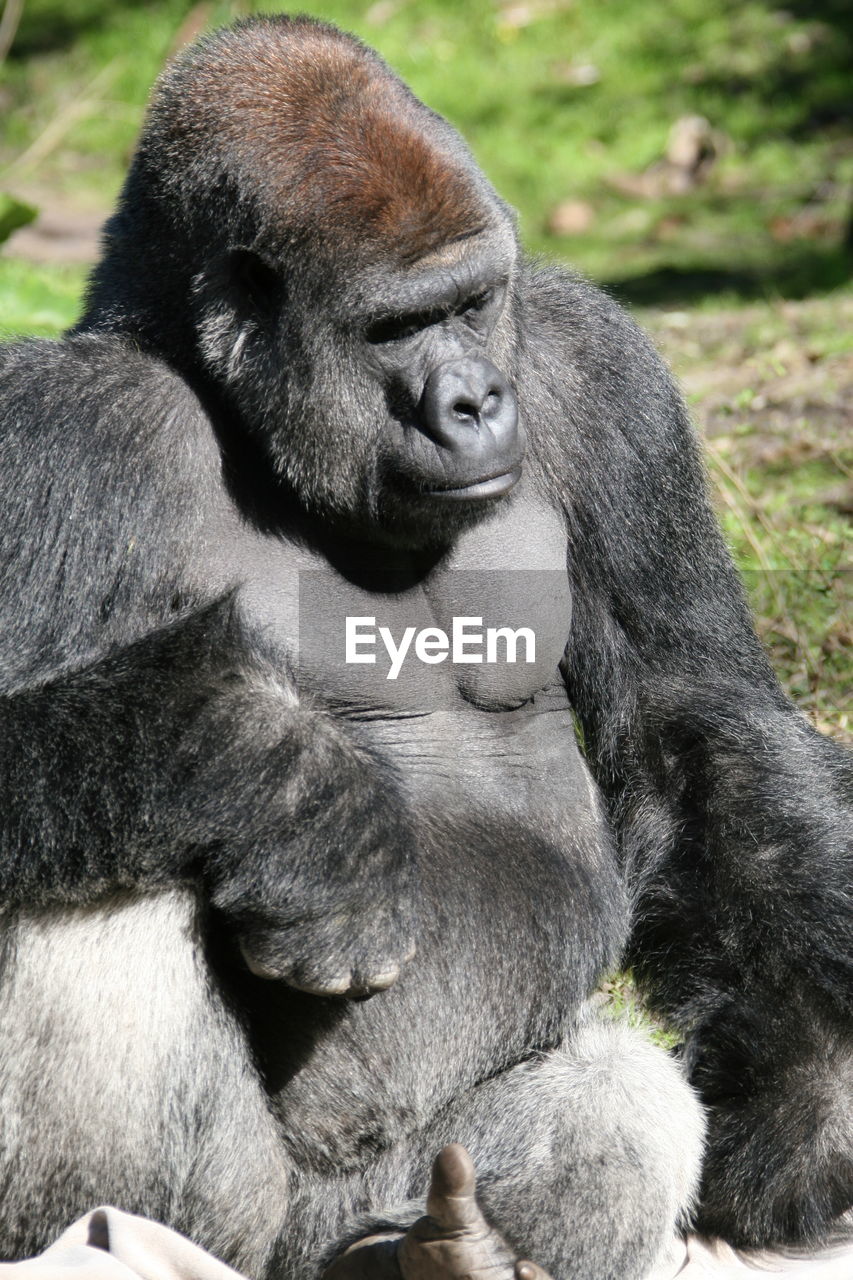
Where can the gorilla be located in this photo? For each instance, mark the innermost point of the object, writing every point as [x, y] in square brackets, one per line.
[367, 632]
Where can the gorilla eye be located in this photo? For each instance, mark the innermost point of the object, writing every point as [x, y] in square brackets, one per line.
[478, 302]
[395, 328]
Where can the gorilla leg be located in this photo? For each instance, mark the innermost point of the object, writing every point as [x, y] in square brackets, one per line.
[126, 1080]
[587, 1161]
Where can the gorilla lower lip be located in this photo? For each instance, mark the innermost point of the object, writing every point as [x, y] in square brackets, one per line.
[494, 487]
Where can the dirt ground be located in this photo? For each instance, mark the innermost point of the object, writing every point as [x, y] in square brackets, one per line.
[776, 364]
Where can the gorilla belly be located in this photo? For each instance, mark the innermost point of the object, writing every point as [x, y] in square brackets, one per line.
[521, 911]
[517, 923]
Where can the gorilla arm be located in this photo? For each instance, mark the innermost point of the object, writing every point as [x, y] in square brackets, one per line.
[137, 749]
[734, 816]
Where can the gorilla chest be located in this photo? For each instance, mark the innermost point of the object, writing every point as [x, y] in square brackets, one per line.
[454, 668]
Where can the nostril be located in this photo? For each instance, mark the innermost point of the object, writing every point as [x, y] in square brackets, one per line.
[476, 407]
[466, 409]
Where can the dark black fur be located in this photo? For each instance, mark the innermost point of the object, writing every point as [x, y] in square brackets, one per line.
[243, 401]
[733, 814]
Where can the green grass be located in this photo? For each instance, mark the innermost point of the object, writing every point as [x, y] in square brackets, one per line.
[775, 85]
[620, 999]
[38, 300]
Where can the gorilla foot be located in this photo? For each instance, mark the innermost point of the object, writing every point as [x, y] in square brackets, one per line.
[452, 1242]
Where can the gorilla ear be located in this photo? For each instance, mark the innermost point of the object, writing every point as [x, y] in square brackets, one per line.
[258, 285]
[237, 299]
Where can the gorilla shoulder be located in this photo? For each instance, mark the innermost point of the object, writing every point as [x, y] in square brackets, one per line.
[121, 470]
[100, 388]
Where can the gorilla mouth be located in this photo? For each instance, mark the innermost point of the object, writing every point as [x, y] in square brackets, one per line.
[490, 487]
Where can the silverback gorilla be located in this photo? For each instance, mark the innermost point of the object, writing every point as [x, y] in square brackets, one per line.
[318, 402]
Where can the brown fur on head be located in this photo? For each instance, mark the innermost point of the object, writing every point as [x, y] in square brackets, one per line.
[313, 126]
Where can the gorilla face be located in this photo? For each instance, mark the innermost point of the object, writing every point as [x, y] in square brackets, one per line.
[383, 399]
[453, 435]
[322, 249]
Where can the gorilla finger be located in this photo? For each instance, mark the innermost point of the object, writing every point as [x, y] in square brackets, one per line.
[451, 1200]
[354, 984]
[368, 980]
[274, 965]
[525, 1270]
[315, 984]
[262, 962]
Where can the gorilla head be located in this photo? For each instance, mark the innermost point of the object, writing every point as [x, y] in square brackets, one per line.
[319, 250]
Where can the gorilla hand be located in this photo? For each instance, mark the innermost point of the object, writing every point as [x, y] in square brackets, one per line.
[779, 1156]
[316, 876]
[452, 1242]
[796, 1189]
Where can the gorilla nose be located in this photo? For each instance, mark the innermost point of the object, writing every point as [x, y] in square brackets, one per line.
[463, 399]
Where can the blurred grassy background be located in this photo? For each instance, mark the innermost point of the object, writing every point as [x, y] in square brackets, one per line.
[695, 157]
